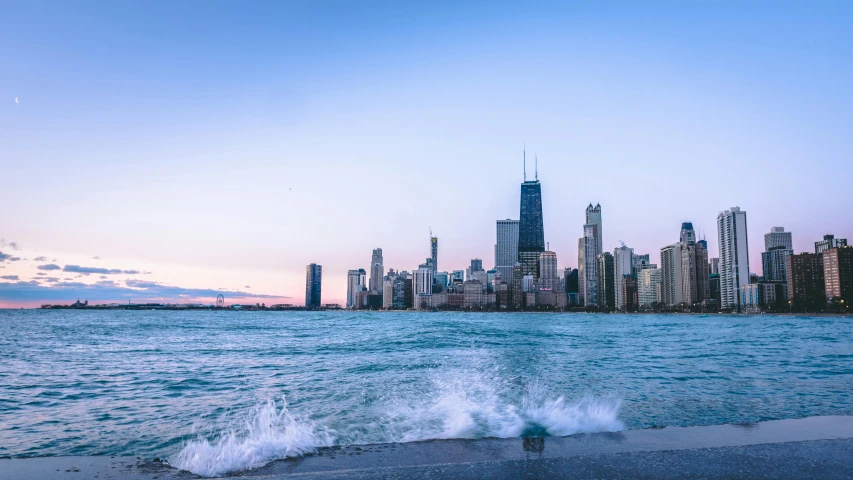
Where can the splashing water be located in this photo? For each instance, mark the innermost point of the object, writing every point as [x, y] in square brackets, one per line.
[270, 433]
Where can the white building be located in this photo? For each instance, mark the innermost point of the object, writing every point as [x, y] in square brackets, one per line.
[734, 256]
[422, 282]
[355, 284]
[623, 264]
[648, 287]
[778, 237]
[588, 267]
[376, 271]
[506, 248]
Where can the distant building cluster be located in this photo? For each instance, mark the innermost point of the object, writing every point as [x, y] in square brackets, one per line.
[526, 276]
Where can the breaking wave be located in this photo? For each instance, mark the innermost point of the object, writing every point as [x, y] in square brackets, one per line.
[270, 433]
[475, 402]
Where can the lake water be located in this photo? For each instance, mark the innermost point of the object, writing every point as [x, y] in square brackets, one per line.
[218, 391]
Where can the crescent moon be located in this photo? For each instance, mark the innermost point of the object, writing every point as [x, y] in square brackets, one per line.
[16, 100]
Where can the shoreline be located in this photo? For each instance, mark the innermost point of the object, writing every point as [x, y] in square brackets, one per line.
[812, 447]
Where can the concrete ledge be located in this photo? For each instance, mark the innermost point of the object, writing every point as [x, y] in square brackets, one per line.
[815, 447]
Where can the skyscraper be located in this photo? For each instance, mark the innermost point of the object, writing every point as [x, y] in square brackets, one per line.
[734, 256]
[671, 288]
[640, 262]
[313, 281]
[433, 248]
[355, 284]
[531, 230]
[606, 282]
[506, 248]
[548, 274]
[715, 266]
[377, 270]
[694, 273]
[778, 237]
[589, 248]
[623, 264]
[593, 217]
[588, 267]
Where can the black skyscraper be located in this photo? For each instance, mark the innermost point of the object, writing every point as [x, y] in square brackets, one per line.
[313, 281]
[531, 232]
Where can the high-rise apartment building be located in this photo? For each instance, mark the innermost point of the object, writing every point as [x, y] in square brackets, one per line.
[313, 283]
[773, 264]
[648, 287]
[838, 276]
[829, 241]
[630, 295]
[531, 229]
[671, 283]
[355, 284]
[506, 248]
[548, 274]
[734, 256]
[623, 264]
[377, 270]
[806, 287]
[778, 237]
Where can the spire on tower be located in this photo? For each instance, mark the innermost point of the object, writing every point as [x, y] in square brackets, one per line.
[536, 163]
[525, 162]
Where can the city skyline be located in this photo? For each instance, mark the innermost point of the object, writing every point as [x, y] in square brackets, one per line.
[231, 170]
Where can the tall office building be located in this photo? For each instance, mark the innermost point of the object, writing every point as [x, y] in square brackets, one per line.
[687, 234]
[838, 275]
[648, 287]
[377, 270]
[355, 284]
[671, 283]
[593, 217]
[433, 249]
[313, 282]
[734, 256]
[531, 230]
[571, 282]
[422, 287]
[606, 282]
[829, 241]
[778, 237]
[623, 264]
[806, 287]
[517, 286]
[549, 277]
[506, 248]
[476, 266]
[715, 266]
[588, 267]
[777, 245]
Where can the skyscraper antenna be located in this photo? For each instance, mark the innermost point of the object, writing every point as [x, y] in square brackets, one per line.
[525, 162]
[536, 163]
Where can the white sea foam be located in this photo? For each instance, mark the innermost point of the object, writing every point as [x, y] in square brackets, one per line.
[269, 433]
[477, 402]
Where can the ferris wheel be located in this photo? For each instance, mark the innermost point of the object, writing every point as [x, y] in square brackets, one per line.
[220, 301]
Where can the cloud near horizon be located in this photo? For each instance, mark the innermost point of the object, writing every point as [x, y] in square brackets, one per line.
[109, 291]
[10, 277]
[49, 266]
[102, 271]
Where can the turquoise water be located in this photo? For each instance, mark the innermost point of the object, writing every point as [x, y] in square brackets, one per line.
[220, 391]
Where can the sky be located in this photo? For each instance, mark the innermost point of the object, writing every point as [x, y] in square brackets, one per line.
[223, 146]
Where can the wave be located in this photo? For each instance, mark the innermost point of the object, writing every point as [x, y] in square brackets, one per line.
[270, 433]
[478, 401]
